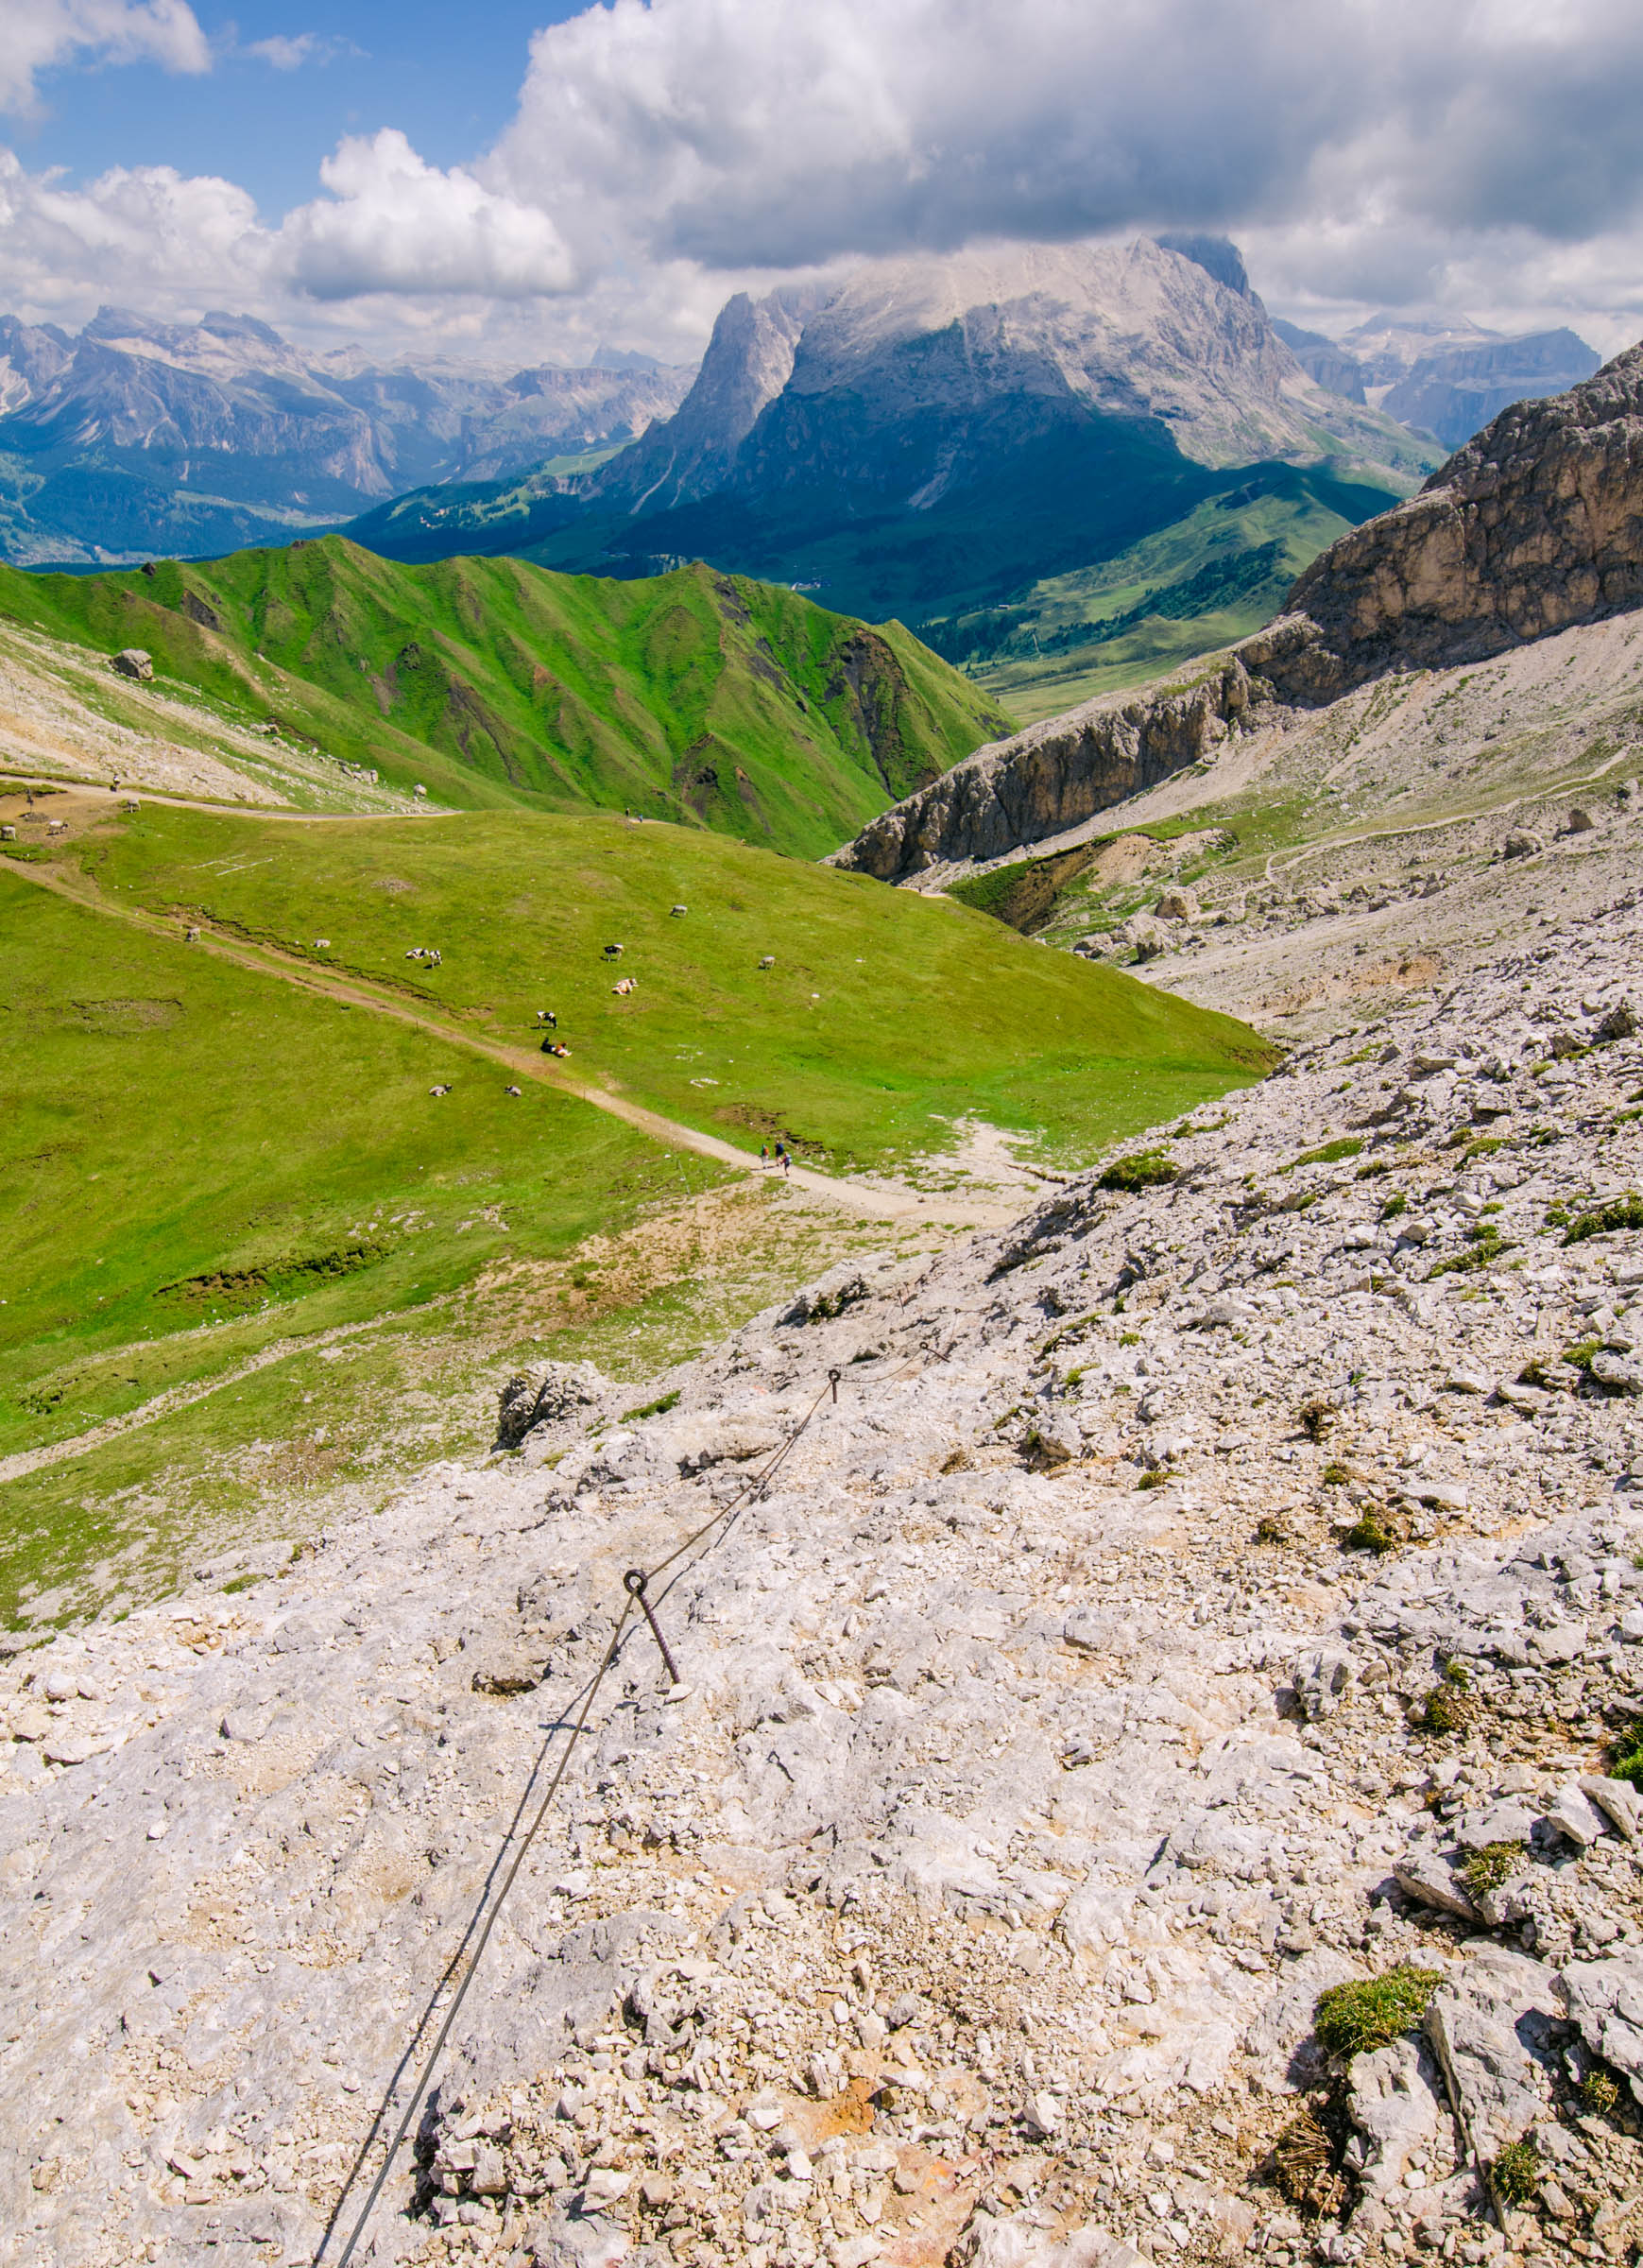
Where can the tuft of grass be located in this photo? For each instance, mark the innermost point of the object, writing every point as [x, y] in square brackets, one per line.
[658, 1408]
[1303, 2165]
[1326, 1153]
[1317, 1416]
[1483, 1145]
[1487, 1869]
[1482, 1253]
[1600, 2094]
[1515, 2175]
[1336, 1475]
[1374, 1168]
[1608, 1219]
[1626, 1753]
[1155, 1477]
[1269, 1528]
[1448, 1708]
[1371, 1532]
[1352, 2019]
[1141, 1169]
[1396, 1206]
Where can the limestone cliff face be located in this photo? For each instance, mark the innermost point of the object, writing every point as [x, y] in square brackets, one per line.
[1051, 777]
[1537, 524]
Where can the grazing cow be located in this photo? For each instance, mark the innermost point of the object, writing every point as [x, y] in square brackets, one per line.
[439, 1090]
[546, 1015]
[624, 984]
[768, 961]
[514, 1091]
[680, 912]
[613, 952]
[8, 835]
[191, 936]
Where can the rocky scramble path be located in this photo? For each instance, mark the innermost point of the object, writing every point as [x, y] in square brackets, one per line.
[1206, 1593]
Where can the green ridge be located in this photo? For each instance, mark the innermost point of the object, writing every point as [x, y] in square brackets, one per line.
[703, 697]
[1211, 578]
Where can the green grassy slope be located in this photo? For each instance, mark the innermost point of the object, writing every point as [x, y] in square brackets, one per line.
[1212, 577]
[708, 699]
[190, 1144]
[204, 1162]
[884, 1016]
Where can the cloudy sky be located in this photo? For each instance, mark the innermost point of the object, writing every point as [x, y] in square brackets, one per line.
[526, 178]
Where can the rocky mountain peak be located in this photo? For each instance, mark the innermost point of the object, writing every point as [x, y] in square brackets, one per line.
[913, 377]
[1533, 525]
[1536, 525]
[1217, 256]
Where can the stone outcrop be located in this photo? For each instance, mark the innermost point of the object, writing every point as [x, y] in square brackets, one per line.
[1535, 526]
[1050, 777]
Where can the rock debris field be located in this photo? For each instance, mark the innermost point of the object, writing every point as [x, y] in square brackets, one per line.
[1208, 1594]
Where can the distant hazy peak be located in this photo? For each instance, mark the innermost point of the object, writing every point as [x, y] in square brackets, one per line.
[622, 358]
[1328, 363]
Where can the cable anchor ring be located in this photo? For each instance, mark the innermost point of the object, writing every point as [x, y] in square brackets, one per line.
[633, 1583]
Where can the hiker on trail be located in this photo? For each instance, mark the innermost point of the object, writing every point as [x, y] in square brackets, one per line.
[764, 1153]
[783, 1159]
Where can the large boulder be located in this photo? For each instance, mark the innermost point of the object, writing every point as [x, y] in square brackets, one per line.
[544, 1396]
[1496, 2026]
[1606, 1999]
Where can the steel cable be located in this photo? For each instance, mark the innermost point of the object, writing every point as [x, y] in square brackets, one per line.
[754, 1487]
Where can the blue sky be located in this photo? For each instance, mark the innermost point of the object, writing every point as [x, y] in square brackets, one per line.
[447, 76]
[424, 176]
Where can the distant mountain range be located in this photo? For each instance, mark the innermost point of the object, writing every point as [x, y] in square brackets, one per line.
[135, 439]
[935, 439]
[1446, 378]
[1065, 466]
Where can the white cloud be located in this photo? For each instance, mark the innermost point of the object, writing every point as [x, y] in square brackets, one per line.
[1479, 154]
[143, 235]
[37, 34]
[289, 53]
[397, 224]
[1431, 135]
